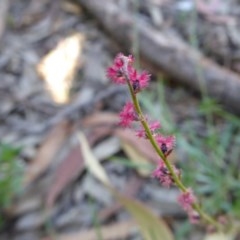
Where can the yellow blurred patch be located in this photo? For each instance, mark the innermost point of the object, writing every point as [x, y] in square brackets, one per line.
[58, 68]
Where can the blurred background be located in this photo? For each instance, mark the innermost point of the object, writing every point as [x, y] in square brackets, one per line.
[59, 134]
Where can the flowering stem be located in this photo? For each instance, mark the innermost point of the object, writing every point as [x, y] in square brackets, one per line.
[153, 141]
[206, 217]
[169, 166]
[122, 72]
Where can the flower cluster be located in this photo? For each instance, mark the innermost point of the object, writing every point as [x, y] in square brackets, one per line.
[153, 126]
[162, 174]
[127, 115]
[186, 200]
[122, 71]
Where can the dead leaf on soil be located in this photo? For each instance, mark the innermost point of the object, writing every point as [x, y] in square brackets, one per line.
[219, 236]
[97, 134]
[101, 118]
[47, 151]
[72, 166]
[107, 148]
[136, 157]
[91, 162]
[143, 146]
[68, 170]
[150, 225]
[131, 189]
[71, 7]
[58, 68]
[120, 230]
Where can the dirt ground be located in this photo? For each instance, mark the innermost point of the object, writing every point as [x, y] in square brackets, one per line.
[53, 59]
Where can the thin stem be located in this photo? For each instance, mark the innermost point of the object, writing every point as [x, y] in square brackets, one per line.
[153, 141]
[169, 166]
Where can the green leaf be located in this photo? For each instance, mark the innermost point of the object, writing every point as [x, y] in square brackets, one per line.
[8, 153]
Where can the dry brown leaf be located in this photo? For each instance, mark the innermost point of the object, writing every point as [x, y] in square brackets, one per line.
[219, 236]
[120, 230]
[107, 148]
[136, 157]
[71, 7]
[69, 169]
[210, 7]
[150, 225]
[47, 151]
[90, 160]
[101, 118]
[58, 68]
[142, 145]
[131, 189]
[97, 134]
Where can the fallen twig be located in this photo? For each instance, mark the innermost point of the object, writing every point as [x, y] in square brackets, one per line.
[169, 53]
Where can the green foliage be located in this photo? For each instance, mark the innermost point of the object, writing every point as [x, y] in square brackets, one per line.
[9, 174]
[182, 231]
[210, 154]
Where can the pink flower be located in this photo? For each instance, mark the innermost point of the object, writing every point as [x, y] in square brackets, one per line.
[116, 75]
[115, 72]
[127, 115]
[166, 181]
[160, 170]
[186, 199]
[193, 217]
[168, 140]
[139, 80]
[162, 174]
[121, 59]
[143, 79]
[166, 143]
[118, 60]
[153, 127]
[141, 133]
[122, 68]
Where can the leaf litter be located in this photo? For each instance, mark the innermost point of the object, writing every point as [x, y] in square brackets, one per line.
[43, 127]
